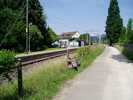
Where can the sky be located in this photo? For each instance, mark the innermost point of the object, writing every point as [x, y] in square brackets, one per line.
[82, 15]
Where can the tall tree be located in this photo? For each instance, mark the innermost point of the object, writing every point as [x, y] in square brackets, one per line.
[130, 31]
[38, 18]
[51, 37]
[114, 23]
[85, 37]
[13, 23]
[123, 37]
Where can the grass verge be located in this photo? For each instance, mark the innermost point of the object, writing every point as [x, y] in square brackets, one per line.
[128, 53]
[45, 83]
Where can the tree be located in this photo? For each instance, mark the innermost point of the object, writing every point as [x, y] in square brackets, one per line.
[123, 37]
[114, 23]
[51, 37]
[12, 29]
[85, 37]
[130, 31]
[38, 18]
[35, 38]
[13, 23]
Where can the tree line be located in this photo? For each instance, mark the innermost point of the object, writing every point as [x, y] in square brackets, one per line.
[13, 26]
[127, 36]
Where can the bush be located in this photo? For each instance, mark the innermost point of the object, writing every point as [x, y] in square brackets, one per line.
[83, 51]
[7, 61]
[128, 53]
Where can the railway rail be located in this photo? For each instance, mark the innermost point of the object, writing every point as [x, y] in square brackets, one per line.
[34, 58]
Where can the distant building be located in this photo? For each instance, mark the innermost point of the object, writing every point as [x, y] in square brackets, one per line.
[69, 39]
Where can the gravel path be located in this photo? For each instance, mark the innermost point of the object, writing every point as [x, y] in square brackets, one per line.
[110, 77]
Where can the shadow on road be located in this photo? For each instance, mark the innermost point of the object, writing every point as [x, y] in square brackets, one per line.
[121, 58]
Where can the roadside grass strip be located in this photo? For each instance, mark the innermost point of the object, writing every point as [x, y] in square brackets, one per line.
[125, 51]
[45, 83]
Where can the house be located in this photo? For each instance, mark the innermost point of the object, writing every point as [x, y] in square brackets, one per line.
[69, 39]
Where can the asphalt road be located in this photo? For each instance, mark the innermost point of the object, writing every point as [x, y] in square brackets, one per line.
[110, 77]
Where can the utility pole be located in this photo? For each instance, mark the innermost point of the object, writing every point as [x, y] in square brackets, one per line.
[20, 79]
[90, 40]
[27, 28]
[67, 50]
[87, 38]
[99, 36]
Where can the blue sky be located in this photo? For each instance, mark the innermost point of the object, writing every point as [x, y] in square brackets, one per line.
[82, 15]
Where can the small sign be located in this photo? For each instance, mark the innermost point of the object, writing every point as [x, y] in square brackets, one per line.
[26, 30]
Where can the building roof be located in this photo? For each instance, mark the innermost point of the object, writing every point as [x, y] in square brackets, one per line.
[67, 35]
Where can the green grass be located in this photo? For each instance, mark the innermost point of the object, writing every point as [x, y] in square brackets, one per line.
[46, 82]
[126, 52]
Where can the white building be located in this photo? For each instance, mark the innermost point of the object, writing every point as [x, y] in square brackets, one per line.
[69, 39]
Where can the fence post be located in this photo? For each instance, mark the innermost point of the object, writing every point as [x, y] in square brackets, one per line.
[20, 79]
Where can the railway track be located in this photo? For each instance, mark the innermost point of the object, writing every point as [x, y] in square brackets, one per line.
[30, 59]
[34, 58]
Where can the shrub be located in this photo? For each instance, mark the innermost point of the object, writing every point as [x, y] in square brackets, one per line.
[83, 51]
[7, 61]
[128, 53]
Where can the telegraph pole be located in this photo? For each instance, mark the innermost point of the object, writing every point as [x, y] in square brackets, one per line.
[27, 28]
[90, 40]
[99, 36]
[87, 38]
